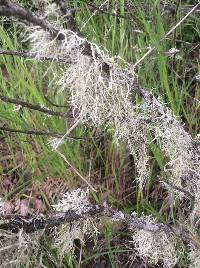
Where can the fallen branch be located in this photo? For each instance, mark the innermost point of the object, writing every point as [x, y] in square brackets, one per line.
[31, 224]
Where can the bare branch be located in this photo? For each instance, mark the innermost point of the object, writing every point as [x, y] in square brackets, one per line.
[33, 223]
[32, 55]
[76, 171]
[46, 133]
[54, 104]
[33, 107]
[36, 133]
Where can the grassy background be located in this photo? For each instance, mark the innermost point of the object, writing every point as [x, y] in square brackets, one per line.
[29, 162]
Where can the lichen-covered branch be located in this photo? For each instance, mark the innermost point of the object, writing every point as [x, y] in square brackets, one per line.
[75, 217]
[10, 9]
[103, 92]
[32, 223]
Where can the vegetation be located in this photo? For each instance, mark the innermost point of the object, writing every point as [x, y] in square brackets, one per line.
[38, 169]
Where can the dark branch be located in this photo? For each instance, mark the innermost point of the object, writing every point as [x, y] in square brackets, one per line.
[31, 224]
[32, 55]
[54, 104]
[33, 132]
[32, 106]
[45, 133]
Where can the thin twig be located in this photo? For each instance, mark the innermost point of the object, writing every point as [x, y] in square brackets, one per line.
[94, 12]
[31, 106]
[38, 133]
[45, 133]
[76, 171]
[67, 133]
[101, 9]
[54, 104]
[32, 55]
